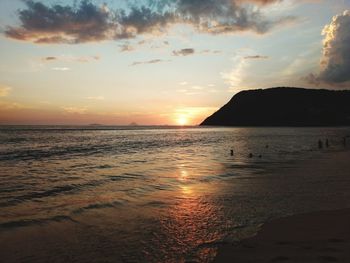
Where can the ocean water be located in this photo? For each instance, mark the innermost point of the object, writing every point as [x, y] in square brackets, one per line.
[152, 194]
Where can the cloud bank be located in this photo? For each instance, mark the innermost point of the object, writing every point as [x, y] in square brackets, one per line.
[336, 50]
[62, 24]
[335, 62]
[88, 22]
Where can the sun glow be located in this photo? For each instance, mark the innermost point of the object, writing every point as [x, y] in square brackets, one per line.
[186, 116]
[182, 120]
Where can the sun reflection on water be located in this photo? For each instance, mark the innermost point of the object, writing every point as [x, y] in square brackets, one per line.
[186, 190]
[188, 222]
[183, 174]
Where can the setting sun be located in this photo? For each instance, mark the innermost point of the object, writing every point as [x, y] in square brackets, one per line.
[182, 120]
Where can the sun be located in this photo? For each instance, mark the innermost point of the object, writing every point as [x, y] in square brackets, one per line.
[182, 121]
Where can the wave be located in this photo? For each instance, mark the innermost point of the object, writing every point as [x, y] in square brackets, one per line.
[64, 189]
[97, 206]
[30, 222]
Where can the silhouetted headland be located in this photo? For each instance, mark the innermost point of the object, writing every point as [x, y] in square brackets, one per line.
[284, 106]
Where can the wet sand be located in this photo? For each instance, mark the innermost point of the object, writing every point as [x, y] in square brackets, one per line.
[312, 237]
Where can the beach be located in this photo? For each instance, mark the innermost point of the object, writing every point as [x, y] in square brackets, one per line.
[174, 131]
[313, 237]
[160, 195]
[322, 236]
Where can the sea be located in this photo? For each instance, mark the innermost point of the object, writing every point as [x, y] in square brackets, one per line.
[154, 193]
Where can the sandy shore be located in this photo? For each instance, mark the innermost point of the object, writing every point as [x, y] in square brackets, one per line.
[314, 237]
[311, 237]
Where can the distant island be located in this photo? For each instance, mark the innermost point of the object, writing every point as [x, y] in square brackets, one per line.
[284, 106]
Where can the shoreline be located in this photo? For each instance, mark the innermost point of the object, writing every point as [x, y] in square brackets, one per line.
[98, 232]
[316, 236]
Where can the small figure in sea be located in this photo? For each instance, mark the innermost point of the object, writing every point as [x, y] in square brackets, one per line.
[260, 156]
[320, 144]
[251, 155]
[344, 141]
[327, 143]
[266, 146]
[231, 152]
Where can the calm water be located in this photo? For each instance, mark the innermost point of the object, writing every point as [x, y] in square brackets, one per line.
[148, 194]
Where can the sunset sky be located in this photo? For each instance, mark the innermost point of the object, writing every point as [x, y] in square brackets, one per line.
[161, 62]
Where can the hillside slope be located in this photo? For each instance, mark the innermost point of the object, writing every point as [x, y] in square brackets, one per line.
[284, 107]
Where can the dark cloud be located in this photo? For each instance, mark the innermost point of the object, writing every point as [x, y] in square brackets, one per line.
[50, 58]
[221, 16]
[87, 22]
[184, 52]
[63, 24]
[260, 2]
[335, 63]
[153, 61]
[256, 57]
[141, 20]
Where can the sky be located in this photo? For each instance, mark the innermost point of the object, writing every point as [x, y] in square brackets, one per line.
[161, 62]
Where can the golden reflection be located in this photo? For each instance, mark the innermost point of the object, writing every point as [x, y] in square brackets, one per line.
[187, 190]
[183, 174]
[193, 220]
[184, 179]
